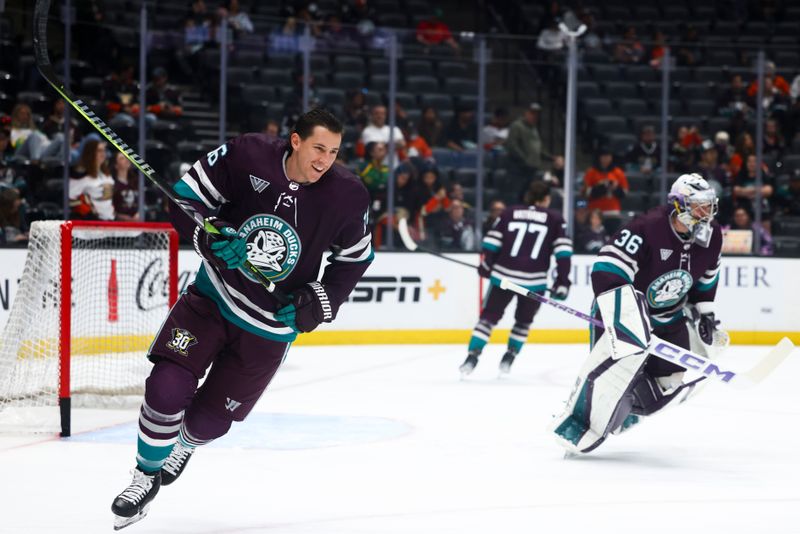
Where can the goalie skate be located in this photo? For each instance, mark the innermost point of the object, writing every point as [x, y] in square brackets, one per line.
[133, 503]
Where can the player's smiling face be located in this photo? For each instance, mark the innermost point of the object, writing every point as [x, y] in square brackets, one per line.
[314, 155]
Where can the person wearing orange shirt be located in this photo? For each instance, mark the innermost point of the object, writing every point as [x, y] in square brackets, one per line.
[605, 184]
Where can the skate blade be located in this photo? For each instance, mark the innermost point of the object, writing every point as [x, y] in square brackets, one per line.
[465, 371]
[504, 370]
[122, 522]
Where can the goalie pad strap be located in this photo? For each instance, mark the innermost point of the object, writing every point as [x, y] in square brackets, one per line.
[626, 320]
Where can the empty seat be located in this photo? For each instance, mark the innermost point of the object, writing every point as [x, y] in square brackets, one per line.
[701, 107]
[636, 201]
[331, 96]
[787, 246]
[436, 100]
[588, 89]
[609, 124]
[349, 64]
[247, 58]
[457, 69]
[347, 80]
[272, 76]
[604, 73]
[380, 82]
[461, 86]
[418, 67]
[422, 84]
[595, 106]
[709, 74]
[620, 143]
[256, 92]
[696, 90]
[641, 73]
[189, 151]
[629, 107]
[620, 90]
[378, 65]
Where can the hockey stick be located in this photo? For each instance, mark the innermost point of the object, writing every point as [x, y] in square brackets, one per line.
[658, 347]
[40, 13]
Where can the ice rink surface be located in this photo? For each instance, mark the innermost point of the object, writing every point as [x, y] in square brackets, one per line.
[387, 439]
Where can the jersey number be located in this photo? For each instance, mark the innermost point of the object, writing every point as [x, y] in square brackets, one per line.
[214, 155]
[521, 229]
[629, 241]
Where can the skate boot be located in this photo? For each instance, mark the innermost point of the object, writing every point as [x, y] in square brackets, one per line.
[133, 503]
[176, 463]
[505, 363]
[469, 364]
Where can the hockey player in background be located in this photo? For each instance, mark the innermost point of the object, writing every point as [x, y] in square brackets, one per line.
[518, 248]
[281, 205]
[657, 268]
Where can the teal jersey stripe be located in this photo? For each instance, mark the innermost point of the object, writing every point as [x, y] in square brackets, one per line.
[204, 285]
[185, 191]
[540, 288]
[563, 254]
[489, 246]
[706, 287]
[368, 259]
[611, 268]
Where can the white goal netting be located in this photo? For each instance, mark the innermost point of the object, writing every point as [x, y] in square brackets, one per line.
[120, 290]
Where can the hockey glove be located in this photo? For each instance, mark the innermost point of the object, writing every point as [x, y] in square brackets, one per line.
[559, 292]
[310, 306]
[224, 250]
[706, 326]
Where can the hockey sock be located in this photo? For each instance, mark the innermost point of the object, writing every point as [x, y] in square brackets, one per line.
[480, 336]
[518, 337]
[168, 390]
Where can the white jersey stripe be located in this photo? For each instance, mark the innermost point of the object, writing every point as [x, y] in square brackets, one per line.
[204, 179]
[190, 181]
[358, 246]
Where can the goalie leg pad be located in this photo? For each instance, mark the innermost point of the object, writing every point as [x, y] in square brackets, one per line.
[627, 324]
[601, 399]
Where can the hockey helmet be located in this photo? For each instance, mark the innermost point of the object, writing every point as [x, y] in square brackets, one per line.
[695, 203]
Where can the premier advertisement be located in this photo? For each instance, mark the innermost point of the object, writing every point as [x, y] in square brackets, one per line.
[408, 298]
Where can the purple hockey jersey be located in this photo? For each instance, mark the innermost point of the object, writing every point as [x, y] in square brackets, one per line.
[648, 253]
[288, 228]
[520, 243]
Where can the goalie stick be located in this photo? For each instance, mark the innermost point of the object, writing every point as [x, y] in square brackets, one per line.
[40, 13]
[658, 347]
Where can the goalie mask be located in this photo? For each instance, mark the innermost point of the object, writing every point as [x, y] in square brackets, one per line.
[695, 204]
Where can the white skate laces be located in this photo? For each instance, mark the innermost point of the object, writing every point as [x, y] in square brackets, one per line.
[138, 488]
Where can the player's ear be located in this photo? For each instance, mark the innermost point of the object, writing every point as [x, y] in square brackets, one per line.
[294, 139]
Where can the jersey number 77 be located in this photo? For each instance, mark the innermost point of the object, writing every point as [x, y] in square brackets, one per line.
[521, 229]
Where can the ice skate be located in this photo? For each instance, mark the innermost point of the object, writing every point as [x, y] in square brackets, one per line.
[133, 503]
[505, 363]
[469, 364]
[176, 463]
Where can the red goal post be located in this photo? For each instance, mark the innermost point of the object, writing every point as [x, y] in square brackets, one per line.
[92, 296]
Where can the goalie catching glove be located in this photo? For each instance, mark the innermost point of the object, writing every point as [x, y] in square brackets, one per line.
[310, 306]
[224, 250]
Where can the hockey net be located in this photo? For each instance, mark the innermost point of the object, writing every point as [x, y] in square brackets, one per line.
[91, 298]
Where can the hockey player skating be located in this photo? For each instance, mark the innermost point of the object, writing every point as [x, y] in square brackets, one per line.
[282, 204]
[655, 268]
[518, 248]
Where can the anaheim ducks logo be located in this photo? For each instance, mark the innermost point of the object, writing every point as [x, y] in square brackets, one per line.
[669, 288]
[272, 245]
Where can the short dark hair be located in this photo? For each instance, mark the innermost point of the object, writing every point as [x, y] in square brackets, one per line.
[306, 122]
[537, 191]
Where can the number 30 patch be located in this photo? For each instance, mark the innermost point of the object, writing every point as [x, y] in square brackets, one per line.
[181, 341]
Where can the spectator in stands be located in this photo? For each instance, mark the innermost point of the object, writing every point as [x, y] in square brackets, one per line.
[54, 124]
[722, 142]
[375, 174]
[432, 199]
[336, 37]
[405, 189]
[734, 100]
[284, 39]
[743, 221]
[456, 232]
[687, 54]
[431, 127]
[787, 197]
[629, 49]
[554, 176]
[779, 83]
[163, 99]
[709, 168]
[455, 191]
[774, 143]
[120, 91]
[91, 189]
[645, 156]
[238, 20]
[196, 28]
[355, 108]
[13, 224]
[272, 128]
[592, 39]
[773, 100]
[604, 185]
[657, 50]
[496, 207]
[744, 148]
[433, 33]
[378, 131]
[496, 132]
[8, 175]
[592, 237]
[684, 152]
[462, 132]
[416, 146]
[26, 140]
[551, 40]
[744, 190]
[126, 189]
[524, 147]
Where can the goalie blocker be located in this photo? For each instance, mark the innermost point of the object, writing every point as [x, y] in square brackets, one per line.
[619, 383]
